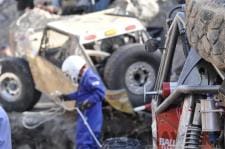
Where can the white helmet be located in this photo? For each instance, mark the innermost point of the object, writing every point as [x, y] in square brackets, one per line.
[72, 66]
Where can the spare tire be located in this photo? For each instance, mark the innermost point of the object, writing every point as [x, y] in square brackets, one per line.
[17, 89]
[206, 29]
[130, 67]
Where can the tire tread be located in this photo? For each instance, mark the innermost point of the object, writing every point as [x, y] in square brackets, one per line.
[30, 95]
[206, 29]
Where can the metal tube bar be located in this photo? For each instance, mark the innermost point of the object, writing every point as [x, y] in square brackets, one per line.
[185, 89]
[88, 127]
[221, 73]
[183, 35]
[167, 56]
[154, 93]
[211, 111]
[170, 50]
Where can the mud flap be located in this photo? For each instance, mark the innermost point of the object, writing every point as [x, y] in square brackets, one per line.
[119, 100]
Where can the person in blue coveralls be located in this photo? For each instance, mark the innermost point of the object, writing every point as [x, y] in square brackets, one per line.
[88, 97]
[5, 131]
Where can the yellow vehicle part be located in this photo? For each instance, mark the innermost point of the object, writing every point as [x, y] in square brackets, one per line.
[110, 32]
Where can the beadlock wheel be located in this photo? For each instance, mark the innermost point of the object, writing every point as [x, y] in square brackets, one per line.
[131, 68]
[11, 87]
[138, 75]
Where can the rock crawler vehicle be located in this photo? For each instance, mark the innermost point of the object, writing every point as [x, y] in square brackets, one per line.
[188, 110]
[110, 43]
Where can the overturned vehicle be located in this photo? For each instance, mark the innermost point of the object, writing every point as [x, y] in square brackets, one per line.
[111, 45]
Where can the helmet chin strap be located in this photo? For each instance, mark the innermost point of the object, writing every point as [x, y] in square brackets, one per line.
[76, 80]
[82, 70]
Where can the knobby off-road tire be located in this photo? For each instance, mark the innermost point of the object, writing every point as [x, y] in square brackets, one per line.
[130, 67]
[206, 29]
[17, 89]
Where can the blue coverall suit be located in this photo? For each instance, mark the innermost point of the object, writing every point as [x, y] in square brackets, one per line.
[92, 89]
[5, 131]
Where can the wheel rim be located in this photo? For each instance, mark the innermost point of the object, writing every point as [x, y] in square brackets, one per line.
[11, 87]
[138, 75]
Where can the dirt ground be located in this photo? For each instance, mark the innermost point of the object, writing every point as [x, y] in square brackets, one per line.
[58, 131]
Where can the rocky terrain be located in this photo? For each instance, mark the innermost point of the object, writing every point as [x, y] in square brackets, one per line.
[58, 130]
[8, 13]
[58, 133]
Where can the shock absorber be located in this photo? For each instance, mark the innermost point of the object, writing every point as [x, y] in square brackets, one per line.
[211, 120]
[193, 134]
[193, 137]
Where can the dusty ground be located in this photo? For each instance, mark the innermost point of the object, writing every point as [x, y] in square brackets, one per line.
[54, 134]
[58, 132]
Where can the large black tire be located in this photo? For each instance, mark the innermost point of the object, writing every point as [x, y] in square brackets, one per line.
[130, 67]
[17, 89]
[206, 29]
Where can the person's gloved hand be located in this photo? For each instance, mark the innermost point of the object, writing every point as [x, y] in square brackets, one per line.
[64, 97]
[85, 105]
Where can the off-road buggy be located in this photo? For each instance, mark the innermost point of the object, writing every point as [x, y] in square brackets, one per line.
[188, 112]
[111, 45]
